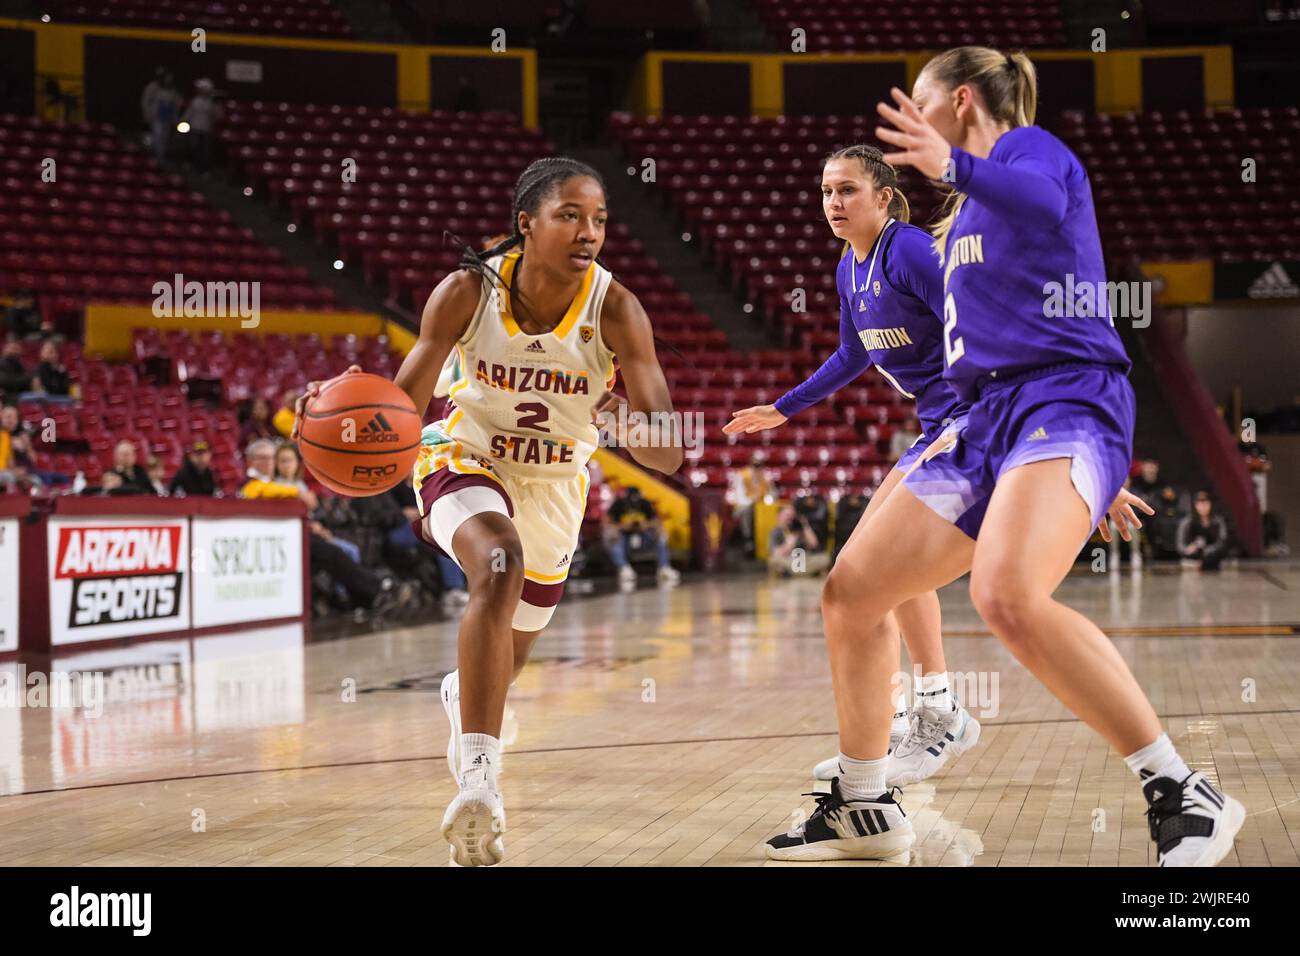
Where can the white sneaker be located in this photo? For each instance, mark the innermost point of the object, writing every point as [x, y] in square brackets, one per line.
[931, 741]
[455, 598]
[1192, 823]
[626, 575]
[670, 576]
[830, 767]
[841, 829]
[451, 705]
[475, 821]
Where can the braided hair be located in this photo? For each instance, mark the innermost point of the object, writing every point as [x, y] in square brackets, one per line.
[879, 172]
[534, 184]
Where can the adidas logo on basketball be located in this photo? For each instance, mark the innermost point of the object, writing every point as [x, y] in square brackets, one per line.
[376, 431]
[534, 347]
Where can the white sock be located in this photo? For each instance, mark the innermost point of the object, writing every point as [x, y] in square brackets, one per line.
[932, 693]
[477, 752]
[1158, 759]
[862, 779]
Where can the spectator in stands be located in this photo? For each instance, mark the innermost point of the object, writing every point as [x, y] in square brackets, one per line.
[149, 97]
[364, 587]
[1147, 484]
[202, 114]
[255, 422]
[282, 420]
[23, 317]
[126, 477]
[1170, 511]
[14, 375]
[59, 103]
[51, 379]
[395, 514]
[15, 449]
[290, 470]
[195, 476]
[746, 487]
[166, 111]
[157, 473]
[848, 512]
[793, 532]
[815, 510]
[1203, 536]
[635, 525]
[904, 437]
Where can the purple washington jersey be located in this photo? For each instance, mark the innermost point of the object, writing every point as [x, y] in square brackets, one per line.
[889, 308]
[1025, 232]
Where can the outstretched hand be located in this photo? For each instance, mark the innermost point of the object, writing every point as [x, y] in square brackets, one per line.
[1121, 512]
[923, 147]
[756, 419]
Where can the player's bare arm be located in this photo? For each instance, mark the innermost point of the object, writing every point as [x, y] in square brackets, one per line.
[446, 315]
[625, 328]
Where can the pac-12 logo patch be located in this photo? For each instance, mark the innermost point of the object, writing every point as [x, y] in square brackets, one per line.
[586, 332]
[875, 287]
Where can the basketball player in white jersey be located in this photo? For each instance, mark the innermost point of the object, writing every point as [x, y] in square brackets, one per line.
[530, 329]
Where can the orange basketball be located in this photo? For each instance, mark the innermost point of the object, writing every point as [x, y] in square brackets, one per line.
[360, 436]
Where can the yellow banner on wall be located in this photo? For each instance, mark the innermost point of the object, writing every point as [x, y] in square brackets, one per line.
[1182, 283]
[108, 327]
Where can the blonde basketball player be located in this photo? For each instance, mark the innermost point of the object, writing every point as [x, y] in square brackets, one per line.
[530, 329]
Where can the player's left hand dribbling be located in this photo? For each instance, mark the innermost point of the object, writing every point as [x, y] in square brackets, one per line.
[309, 393]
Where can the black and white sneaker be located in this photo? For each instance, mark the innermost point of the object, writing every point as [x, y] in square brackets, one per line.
[840, 829]
[1192, 823]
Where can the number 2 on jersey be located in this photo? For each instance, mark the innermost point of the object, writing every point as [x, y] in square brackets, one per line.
[953, 348]
[532, 415]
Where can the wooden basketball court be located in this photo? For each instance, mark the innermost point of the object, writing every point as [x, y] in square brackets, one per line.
[663, 728]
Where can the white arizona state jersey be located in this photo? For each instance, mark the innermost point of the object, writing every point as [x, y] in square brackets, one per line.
[523, 402]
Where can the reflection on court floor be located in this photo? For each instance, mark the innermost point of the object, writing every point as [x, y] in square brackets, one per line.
[659, 728]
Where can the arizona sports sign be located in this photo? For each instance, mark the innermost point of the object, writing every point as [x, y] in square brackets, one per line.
[117, 578]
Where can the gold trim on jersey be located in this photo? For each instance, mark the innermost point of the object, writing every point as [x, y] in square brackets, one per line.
[576, 307]
[464, 372]
[450, 458]
[540, 578]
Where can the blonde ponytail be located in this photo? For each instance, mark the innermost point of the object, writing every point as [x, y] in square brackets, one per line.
[1008, 85]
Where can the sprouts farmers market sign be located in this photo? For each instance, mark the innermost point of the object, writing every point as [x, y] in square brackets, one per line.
[247, 569]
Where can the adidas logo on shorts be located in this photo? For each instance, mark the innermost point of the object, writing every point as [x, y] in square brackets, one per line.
[563, 562]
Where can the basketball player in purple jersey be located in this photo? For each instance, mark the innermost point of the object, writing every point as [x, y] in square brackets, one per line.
[891, 297]
[1046, 444]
